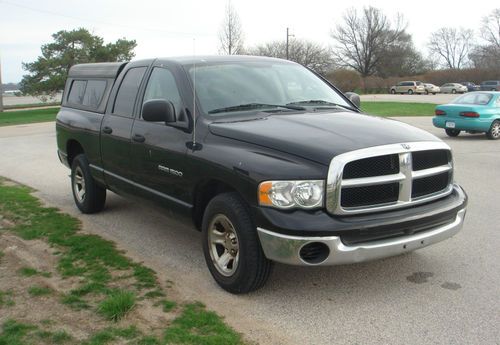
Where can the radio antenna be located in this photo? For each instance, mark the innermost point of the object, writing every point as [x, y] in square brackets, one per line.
[194, 94]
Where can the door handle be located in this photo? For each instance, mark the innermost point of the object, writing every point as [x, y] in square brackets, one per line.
[107, 130]
[138, 138]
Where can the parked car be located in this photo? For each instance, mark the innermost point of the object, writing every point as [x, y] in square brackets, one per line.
[431, 88]
[474, 112]
[471, 86]
[409, 87]
[270, 161]
[453, 88]
[490, 85]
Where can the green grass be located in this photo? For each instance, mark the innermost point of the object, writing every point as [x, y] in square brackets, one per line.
[37, 291]
[27, 116]
[13, 332]
[117, 305]
[398, 108]
[110, 334]
[28, 272]
[198, 326]
[167, 305]
[92, 259]
[31, 105]
[6, 299]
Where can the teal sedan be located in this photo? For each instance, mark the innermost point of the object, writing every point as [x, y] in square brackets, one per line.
[474, 112]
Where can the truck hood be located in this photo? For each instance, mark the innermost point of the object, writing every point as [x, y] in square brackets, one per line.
[320, 136]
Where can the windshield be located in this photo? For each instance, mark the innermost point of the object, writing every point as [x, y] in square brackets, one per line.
[474, 98]
[226, 87]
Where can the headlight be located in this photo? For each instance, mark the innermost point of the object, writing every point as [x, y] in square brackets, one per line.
[290, 194]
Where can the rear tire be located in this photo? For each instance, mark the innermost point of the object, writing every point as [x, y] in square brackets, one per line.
[453, 91]
[494, 131]
[88, 195]
[393, 91]
[452, 132]
[231, 245]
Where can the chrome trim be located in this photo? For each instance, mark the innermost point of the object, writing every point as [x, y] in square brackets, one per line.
[285, 248]
[431, 171]
[405, 176]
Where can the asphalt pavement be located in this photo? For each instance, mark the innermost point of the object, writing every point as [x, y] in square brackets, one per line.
[444, 294]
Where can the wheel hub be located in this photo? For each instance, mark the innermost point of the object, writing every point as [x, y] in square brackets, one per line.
[223, 245]
[79, 184]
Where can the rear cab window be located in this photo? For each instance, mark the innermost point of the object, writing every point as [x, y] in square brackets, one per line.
[127, 93]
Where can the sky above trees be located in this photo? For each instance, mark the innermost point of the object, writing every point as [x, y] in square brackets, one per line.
[162, 29]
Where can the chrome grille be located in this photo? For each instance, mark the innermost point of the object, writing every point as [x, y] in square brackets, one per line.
[387, 177]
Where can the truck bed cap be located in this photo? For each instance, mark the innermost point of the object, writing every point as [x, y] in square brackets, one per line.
[96, 70]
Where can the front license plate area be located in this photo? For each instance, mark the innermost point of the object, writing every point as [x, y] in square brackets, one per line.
[450, 124]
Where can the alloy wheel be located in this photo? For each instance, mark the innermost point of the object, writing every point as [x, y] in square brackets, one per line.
[223, 245]
[79, 184]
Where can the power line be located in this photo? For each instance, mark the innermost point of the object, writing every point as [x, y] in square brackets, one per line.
[173, 33]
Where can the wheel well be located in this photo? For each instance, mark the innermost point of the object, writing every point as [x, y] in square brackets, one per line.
[204, 192]
[73, 149]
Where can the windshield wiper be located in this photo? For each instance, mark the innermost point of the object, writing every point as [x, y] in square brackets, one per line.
[251, 106]
[321, 102]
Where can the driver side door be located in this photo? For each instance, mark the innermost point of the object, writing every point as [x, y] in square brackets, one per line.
[159, 151]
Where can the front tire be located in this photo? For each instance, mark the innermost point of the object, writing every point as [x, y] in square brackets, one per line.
[231, 245]
[393, 91]
[494, 131]
[410, 92]
[453, 91]
[88, 195]
[452, 132]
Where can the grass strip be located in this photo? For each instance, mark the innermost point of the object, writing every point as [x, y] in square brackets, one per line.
[98, 264]
[398, 108]
[27, 116]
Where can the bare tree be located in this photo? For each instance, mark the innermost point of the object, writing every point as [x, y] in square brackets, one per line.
[490, 30]
[306, 53]
[231, 33]
[363, 37]
[487, 56]
[452, 46]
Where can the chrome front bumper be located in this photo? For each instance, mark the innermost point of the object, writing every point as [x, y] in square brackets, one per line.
[285, 249]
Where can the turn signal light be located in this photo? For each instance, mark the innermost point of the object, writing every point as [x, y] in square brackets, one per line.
[469, 114]
[439, 112]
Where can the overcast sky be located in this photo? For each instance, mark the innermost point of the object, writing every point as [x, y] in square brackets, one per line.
[181, 27]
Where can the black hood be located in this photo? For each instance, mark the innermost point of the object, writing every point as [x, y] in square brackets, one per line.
[320, 136]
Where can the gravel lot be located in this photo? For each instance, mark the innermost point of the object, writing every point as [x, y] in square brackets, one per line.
[444, 294]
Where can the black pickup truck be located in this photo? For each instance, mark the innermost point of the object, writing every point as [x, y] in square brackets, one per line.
[269, 160]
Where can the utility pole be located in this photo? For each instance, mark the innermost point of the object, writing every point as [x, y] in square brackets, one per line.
[288, 35]
[1, 89]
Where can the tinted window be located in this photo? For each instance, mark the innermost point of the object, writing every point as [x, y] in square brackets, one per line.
[409, 83]
[474, 98]
[93, 93]
[125, 98]
[223, 85]
[77, 91]
[161, 85]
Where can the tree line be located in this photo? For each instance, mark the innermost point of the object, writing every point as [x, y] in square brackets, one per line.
[366, 45]
[370, 43]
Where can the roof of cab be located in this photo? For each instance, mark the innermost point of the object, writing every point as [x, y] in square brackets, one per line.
[96, 70]
[188, 60]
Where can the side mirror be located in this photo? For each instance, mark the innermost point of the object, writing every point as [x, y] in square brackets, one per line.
[158, 110]
[354, 98]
